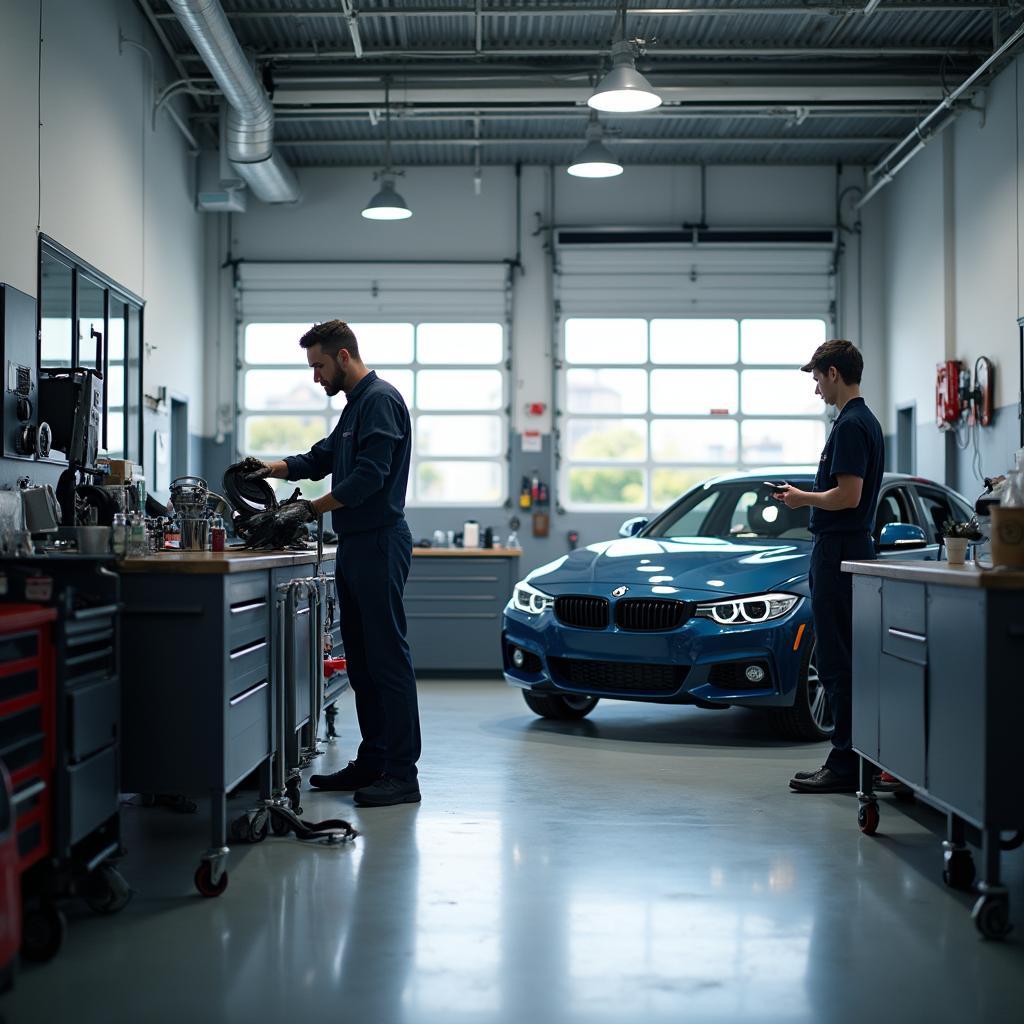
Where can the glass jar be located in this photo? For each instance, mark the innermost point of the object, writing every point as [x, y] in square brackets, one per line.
[119, 535]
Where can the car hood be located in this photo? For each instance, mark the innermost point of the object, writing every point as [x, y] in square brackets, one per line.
[675, 568]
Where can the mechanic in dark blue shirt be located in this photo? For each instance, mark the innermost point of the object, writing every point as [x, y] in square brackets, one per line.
[842, 508]
[367, 456]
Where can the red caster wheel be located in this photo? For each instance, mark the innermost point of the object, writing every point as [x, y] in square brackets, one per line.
[867, 818]
[204, 880]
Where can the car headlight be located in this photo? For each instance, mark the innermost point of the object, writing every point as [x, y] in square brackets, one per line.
[531, 600]
[745, 610]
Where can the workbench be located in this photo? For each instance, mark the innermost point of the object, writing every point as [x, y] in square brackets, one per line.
[938, 652]
[209, 674]
[454, 601]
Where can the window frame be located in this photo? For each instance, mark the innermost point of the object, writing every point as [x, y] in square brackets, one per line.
[564, 464]
[330, 414]
[131, 447]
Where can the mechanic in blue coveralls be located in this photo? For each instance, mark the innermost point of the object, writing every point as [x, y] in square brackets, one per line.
[842, 508]
[367, 455]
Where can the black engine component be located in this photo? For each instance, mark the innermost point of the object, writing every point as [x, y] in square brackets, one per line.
[259, 518]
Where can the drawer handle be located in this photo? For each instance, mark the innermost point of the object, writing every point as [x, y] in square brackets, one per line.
[242, 651]
[904, 635]
[28, 792]
[302, 611]
[248, 606]
[248, 693]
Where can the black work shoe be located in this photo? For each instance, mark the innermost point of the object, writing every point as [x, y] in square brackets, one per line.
[388, 791]
[824, 780]
[807, 775]
[355, 776]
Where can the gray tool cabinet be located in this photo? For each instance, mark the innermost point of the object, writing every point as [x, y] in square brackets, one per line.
[453, 604]
[937, 701]
[220, 677]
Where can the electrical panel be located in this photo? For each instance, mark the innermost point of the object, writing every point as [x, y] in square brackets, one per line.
[24, 436]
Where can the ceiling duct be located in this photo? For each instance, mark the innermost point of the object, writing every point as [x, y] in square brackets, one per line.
[250, 117]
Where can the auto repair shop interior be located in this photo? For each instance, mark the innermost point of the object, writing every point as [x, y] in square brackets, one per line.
[587, 248]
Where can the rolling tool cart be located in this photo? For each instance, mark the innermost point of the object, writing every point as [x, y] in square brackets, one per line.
[936, 703]
[10, 883]
[59, 717]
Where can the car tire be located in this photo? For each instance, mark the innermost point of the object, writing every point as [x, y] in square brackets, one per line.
[565, 709]
[810, 717]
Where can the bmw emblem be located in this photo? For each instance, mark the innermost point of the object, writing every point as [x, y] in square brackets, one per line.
[619, 591]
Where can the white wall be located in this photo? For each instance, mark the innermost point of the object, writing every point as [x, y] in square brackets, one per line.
[114, 192]
[947, 235]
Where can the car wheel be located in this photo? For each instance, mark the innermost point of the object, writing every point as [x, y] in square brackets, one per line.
[810, 717]
[564, 708]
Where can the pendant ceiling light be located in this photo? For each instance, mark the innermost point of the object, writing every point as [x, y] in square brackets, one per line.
[387, 204]
[594, 160]
[624, 90]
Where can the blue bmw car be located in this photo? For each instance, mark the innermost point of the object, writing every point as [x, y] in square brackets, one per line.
[706, 604]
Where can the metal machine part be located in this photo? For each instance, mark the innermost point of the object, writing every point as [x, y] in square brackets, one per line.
[42, 513]
[71, 402]
[190, 497]
[22, 436]
[259, 519]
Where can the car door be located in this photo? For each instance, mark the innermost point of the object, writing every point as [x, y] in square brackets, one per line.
[896, 504]
[937, 504]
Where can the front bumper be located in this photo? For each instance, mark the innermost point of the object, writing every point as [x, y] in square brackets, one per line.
[698, 663]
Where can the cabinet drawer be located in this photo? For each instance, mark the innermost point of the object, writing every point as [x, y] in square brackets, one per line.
[92, 793]
[904, 632]
[92, 713]
[248, 730]
[247, 664]
[902, 718]
[248, 619]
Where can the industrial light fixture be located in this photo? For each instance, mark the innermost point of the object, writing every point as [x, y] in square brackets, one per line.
[624, 90]
[594, 160]
[387, 204]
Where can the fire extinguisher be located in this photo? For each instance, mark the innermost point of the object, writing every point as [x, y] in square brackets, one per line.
[947, 394]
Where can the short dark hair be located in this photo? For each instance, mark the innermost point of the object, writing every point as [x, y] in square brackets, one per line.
[843, 355]
[332, 336]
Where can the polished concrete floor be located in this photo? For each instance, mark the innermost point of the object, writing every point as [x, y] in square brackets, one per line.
[646, 865]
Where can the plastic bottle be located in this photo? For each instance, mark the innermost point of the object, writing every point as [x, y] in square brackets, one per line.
[217, 534]
[513, 541]
[138, 543]
[119, 535]
[172, 535]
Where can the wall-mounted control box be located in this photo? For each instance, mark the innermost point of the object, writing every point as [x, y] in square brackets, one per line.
[24, 437]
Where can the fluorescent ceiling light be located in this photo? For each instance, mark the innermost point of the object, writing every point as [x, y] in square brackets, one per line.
[624, 90]
[387, 204]
[594, 160]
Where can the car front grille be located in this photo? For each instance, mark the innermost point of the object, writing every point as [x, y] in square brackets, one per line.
[651, 615]
[617, 676]
[731, 675]
[582, 612]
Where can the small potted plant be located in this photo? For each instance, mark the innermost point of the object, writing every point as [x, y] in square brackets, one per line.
[956, 536]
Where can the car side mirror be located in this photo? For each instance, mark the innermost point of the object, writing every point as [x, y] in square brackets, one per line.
[901, 537]
[631, 527]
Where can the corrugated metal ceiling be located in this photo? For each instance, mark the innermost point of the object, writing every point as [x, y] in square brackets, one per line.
[515, 77]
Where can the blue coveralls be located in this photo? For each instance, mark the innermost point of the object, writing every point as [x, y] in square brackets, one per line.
[856, 447]
[367, 455]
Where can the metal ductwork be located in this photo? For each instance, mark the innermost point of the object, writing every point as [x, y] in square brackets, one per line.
[250, 118]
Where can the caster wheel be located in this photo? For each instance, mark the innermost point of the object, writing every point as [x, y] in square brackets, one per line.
[259, 828]
[42, 933]
[279, 826]
[204, 880]
[867, 818]
[992, 917]
[959, 870]
[106, 891]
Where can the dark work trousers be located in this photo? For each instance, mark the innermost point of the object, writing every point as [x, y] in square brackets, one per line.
[372, 570]
[832, 607]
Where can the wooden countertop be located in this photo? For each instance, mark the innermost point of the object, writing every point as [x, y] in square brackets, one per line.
[968, 575]
[467, 552]
[219, 562]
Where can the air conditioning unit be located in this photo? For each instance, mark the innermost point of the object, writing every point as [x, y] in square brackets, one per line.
[217, 192]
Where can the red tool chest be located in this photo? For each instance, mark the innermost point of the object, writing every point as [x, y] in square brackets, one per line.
[27, 724]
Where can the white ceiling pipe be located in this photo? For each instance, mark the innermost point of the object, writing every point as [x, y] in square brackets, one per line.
[250, 119]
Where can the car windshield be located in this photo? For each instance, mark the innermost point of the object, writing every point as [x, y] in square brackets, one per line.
[738, 509]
